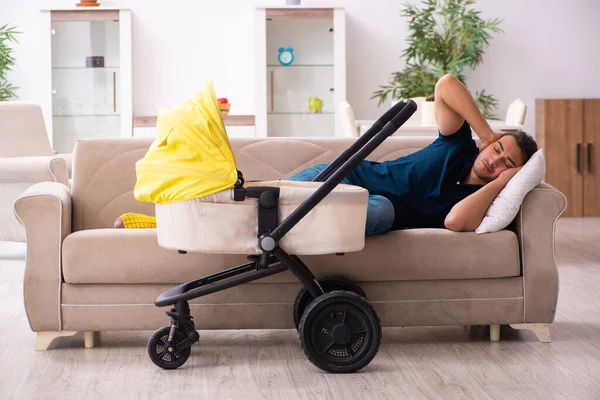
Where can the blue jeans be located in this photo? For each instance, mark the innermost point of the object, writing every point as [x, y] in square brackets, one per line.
[380, 211]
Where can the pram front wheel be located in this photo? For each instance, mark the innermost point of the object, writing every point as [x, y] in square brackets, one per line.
[161, 351]
[340, 332]
[329, 283]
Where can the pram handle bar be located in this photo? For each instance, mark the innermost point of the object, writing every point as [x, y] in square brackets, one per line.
[344, 165]
[360, 142]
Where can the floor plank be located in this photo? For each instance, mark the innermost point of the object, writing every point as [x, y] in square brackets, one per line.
[413, 363]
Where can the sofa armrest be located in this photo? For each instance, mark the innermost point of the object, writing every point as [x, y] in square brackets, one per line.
[534, 227]
[33, 170]
[68, 157]
[45, 211]
[16, 175]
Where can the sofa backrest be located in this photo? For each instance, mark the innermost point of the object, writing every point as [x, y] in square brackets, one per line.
[104, 169]
[22, 130]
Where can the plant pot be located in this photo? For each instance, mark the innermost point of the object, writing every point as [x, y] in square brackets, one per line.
[224, 108]
[428, 113]
[88, 3]
[416, 117]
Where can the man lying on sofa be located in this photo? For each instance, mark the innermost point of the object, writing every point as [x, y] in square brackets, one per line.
[450, 183]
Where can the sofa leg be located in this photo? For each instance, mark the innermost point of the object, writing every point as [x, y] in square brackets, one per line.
[494, 333]
[542, 331]
[43, 339]
[89, 338]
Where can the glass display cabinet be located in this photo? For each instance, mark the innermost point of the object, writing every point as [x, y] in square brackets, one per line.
[87, 82]
[301, 71]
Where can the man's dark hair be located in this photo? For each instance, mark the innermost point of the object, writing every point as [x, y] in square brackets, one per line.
[525, 142]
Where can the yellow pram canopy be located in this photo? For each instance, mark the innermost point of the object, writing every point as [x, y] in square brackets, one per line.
[191, 157]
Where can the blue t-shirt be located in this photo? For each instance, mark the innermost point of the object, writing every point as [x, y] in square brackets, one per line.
[425, 185]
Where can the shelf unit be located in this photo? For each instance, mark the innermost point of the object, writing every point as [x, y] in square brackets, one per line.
[80, 101]
[300, 66]
[318, 37]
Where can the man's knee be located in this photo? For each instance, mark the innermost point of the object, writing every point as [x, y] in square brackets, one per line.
[381, 206]
[380, 215]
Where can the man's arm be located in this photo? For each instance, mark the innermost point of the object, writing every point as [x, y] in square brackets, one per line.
[467, 214]
[454, 104]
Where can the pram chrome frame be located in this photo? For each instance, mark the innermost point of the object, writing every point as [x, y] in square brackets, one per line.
[273, 258]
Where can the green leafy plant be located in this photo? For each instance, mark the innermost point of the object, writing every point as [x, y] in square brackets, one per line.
[445, 37]
[7, 61]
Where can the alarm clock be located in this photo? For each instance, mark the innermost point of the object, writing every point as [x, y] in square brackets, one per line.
[286, 56]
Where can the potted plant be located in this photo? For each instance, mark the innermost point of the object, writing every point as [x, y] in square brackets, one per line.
[7, 61]
[87, 3]
[428, 111]
[445, 37]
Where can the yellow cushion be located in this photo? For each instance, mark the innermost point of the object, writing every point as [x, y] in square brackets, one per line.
[133, 220]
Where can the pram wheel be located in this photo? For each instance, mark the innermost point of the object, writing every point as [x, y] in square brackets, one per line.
[329, 283]
[159, 349]
[340, 332]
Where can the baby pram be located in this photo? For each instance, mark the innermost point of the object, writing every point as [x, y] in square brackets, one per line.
[339, 329]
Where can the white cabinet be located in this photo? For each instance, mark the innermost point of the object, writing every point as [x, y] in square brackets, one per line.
[299, 98]
[86, 75]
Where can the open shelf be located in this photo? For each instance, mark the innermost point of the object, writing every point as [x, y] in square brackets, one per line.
[299, 65]
[77, 68]
[300, 113]
[85, 115]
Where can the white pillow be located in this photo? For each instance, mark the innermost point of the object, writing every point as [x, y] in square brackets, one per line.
[505, 206]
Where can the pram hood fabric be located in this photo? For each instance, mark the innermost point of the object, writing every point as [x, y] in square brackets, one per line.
[191, 156]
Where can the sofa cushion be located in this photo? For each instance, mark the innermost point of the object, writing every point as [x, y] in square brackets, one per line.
[104, 169]
[133, 256]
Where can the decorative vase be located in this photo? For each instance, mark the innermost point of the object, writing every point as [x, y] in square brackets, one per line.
[87, 3]
[428, 113]
[315, 105]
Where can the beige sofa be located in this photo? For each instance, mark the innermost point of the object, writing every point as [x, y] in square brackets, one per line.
[82, 275]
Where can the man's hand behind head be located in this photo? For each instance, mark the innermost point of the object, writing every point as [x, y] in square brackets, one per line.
[493, 138]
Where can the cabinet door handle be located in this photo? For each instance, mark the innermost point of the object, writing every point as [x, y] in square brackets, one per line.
[114, 92]
[578, 158]
[589, 158]
[272, 91]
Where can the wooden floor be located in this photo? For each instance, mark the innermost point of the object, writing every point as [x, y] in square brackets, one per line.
[413, 363]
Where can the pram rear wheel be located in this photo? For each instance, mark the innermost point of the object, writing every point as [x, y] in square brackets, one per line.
[159, 349]
[340, 332]
[329, 283]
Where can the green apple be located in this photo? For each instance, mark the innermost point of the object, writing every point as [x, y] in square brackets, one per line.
[315, 105]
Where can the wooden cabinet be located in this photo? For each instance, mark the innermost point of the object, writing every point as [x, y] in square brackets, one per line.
[569, 132]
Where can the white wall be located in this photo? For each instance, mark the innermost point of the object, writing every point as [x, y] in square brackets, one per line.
[23, 14]
[549, 48]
